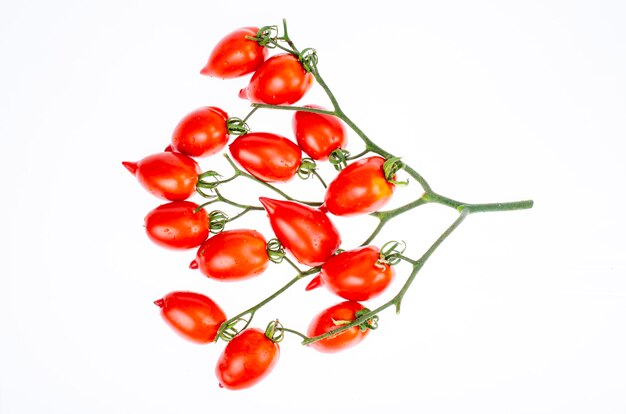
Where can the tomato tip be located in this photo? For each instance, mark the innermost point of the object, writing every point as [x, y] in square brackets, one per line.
[130, 166]
[314, 283]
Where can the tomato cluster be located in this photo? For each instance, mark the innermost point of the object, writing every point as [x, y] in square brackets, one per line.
[304, 231]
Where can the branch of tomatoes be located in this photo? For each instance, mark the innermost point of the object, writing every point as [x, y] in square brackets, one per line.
[303, 230]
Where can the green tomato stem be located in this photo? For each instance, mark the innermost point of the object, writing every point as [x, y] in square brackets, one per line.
[319, 177]
[384, 217]
[397, 299]
[252, 310]
[240, 172]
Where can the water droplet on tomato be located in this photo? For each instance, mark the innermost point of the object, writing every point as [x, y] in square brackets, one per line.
[193, 264]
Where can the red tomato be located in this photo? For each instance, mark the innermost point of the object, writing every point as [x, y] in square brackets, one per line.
[268, 157]
[235, 56]
[359, 188]
[247, 359]
[167, 175]
[193, 316]
[280, 80]
[318, 134]
[305, 231]
[201, 133]
[232, 255]
[175, 225]
[333, 318]
[355, 274]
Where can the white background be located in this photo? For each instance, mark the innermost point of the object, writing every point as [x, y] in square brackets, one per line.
[517, 312]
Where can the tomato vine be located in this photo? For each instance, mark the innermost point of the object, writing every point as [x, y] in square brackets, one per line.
[364, 184]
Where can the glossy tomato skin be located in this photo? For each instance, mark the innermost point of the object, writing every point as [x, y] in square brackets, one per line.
[201, 133]
[306, 232]
[280, 80]
[330, 319]
[357, 274]
[247, 359]
[232, 255]
[167, 175]
[235, 56]
[359, 188]
[268, 157]
[176, 225]
[318, 134]
[193, 316]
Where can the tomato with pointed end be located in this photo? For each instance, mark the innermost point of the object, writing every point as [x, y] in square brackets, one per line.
[201, 133]
[318, 134]
[359, 188]
[268, 157]
[333, 318]
[168, 175]
[280, 80]
[232, 255]
[177, 225]
[193, 316]
[358, 274]
[306, 232]
[247, 359]
[235, 55]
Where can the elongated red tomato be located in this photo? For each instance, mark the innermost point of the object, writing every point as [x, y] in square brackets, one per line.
[235, 56]
[232, 255]
[176, 225]
[280, 80]
[201, 133]
[268, 157]
[333, 318]
[193, 316]
[318, 134]
[357, 274]
[304, 231]
[247, 359]
[167, 175]
[359, 188]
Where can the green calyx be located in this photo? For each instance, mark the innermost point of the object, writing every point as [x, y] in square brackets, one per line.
[274, 331]
[308, 58]
[371, 323]
[217, 221]
[390, 168]
[391, 252]
[237, 126]
[275, 251]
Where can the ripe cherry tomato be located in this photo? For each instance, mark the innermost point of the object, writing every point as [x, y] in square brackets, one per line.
[232, 255]
[247, 359]
[201, 133]
[280, 80]
[359, 188]
[193, 316]
[305, 231]
[235, 56]
[333, 318]
[318, 134]
[268, 157]
[167, 175]
[357, 274]
[175, 225]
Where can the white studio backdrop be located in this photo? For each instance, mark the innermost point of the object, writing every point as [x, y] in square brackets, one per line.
[518, 312]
